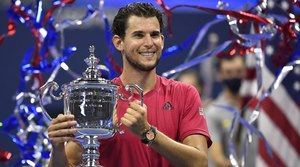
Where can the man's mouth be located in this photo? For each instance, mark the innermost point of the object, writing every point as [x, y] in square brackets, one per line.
[147, 54]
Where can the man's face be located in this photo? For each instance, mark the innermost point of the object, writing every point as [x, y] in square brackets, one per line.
[234, 68]
[143, 43]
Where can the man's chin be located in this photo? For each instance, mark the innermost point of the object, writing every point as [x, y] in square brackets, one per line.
[146, 68]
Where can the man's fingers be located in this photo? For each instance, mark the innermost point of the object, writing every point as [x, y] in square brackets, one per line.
[62, 118]
[126, 122]
[130, 118]
[63, 125]
[62, 133]
[58, 140]
[134, 113]
[135, 105]
[138, 102]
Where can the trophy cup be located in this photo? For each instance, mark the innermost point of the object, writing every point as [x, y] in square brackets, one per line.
[92, 100]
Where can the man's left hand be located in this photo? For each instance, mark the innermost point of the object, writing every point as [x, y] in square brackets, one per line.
[135, 118]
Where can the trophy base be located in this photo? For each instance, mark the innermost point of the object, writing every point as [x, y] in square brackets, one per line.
[90, 164]
[90, 157]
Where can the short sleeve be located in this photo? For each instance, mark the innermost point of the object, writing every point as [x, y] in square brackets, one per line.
[192, 120]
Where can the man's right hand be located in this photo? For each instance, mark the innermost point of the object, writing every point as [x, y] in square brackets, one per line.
[61, 130]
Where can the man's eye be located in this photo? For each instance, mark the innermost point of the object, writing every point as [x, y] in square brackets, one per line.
[155, 35]
[139, 35]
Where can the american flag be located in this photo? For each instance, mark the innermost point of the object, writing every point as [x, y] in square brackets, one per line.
[279, 120]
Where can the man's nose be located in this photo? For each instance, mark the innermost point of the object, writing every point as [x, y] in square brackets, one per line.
[148, 40]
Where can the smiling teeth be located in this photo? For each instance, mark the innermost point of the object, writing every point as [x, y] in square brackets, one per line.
[147, 53]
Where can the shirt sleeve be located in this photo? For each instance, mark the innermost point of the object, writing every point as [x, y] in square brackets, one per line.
[192, 119]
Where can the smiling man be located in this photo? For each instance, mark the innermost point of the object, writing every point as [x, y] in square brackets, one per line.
[167, 130]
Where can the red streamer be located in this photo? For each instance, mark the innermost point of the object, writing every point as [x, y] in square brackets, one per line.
[285, 47]
[235, 49]
[50, 11]
[169, 15]
[295, 2]
[237, 14]
[37, 58]
[5, 155]
[115, 65]
[2, 38]
[11, 30]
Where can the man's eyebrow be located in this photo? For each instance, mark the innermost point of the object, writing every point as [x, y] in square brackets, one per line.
[142, 32]
[155, 32]
[138, 32]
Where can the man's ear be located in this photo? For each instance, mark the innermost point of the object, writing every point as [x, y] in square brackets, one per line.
[163, 41]
[118, 43]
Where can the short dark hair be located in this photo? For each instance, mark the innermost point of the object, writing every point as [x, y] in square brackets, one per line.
[135, 9]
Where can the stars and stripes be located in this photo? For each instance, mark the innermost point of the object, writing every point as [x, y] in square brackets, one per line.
[279, 122]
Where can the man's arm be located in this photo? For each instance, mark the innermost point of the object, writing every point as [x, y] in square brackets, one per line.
[216, 152]
[192, 152]
[69, 155]
[59, 132]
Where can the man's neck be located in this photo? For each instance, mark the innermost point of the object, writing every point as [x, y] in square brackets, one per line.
[146, 80]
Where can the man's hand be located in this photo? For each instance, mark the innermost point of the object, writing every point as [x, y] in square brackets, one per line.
[116, 122]
[61, 130]
[135, 118]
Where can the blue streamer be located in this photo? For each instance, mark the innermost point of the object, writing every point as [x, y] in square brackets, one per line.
[238, 119]
[10, 124]
[186, 43]
[39, 14]
[197, 59]
[45, 66]
[201, 34]
[177, 48]
[90, 13]
[108, 38]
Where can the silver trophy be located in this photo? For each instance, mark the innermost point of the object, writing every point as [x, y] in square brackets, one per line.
[92, 100]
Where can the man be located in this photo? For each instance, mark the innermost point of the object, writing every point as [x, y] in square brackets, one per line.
[171, 111]
[231, 72]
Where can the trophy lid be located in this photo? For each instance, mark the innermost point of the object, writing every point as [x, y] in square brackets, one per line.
[92, 74]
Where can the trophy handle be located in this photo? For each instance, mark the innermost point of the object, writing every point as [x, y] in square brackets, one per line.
[131, 88]
[52, 86]
[42, 93]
